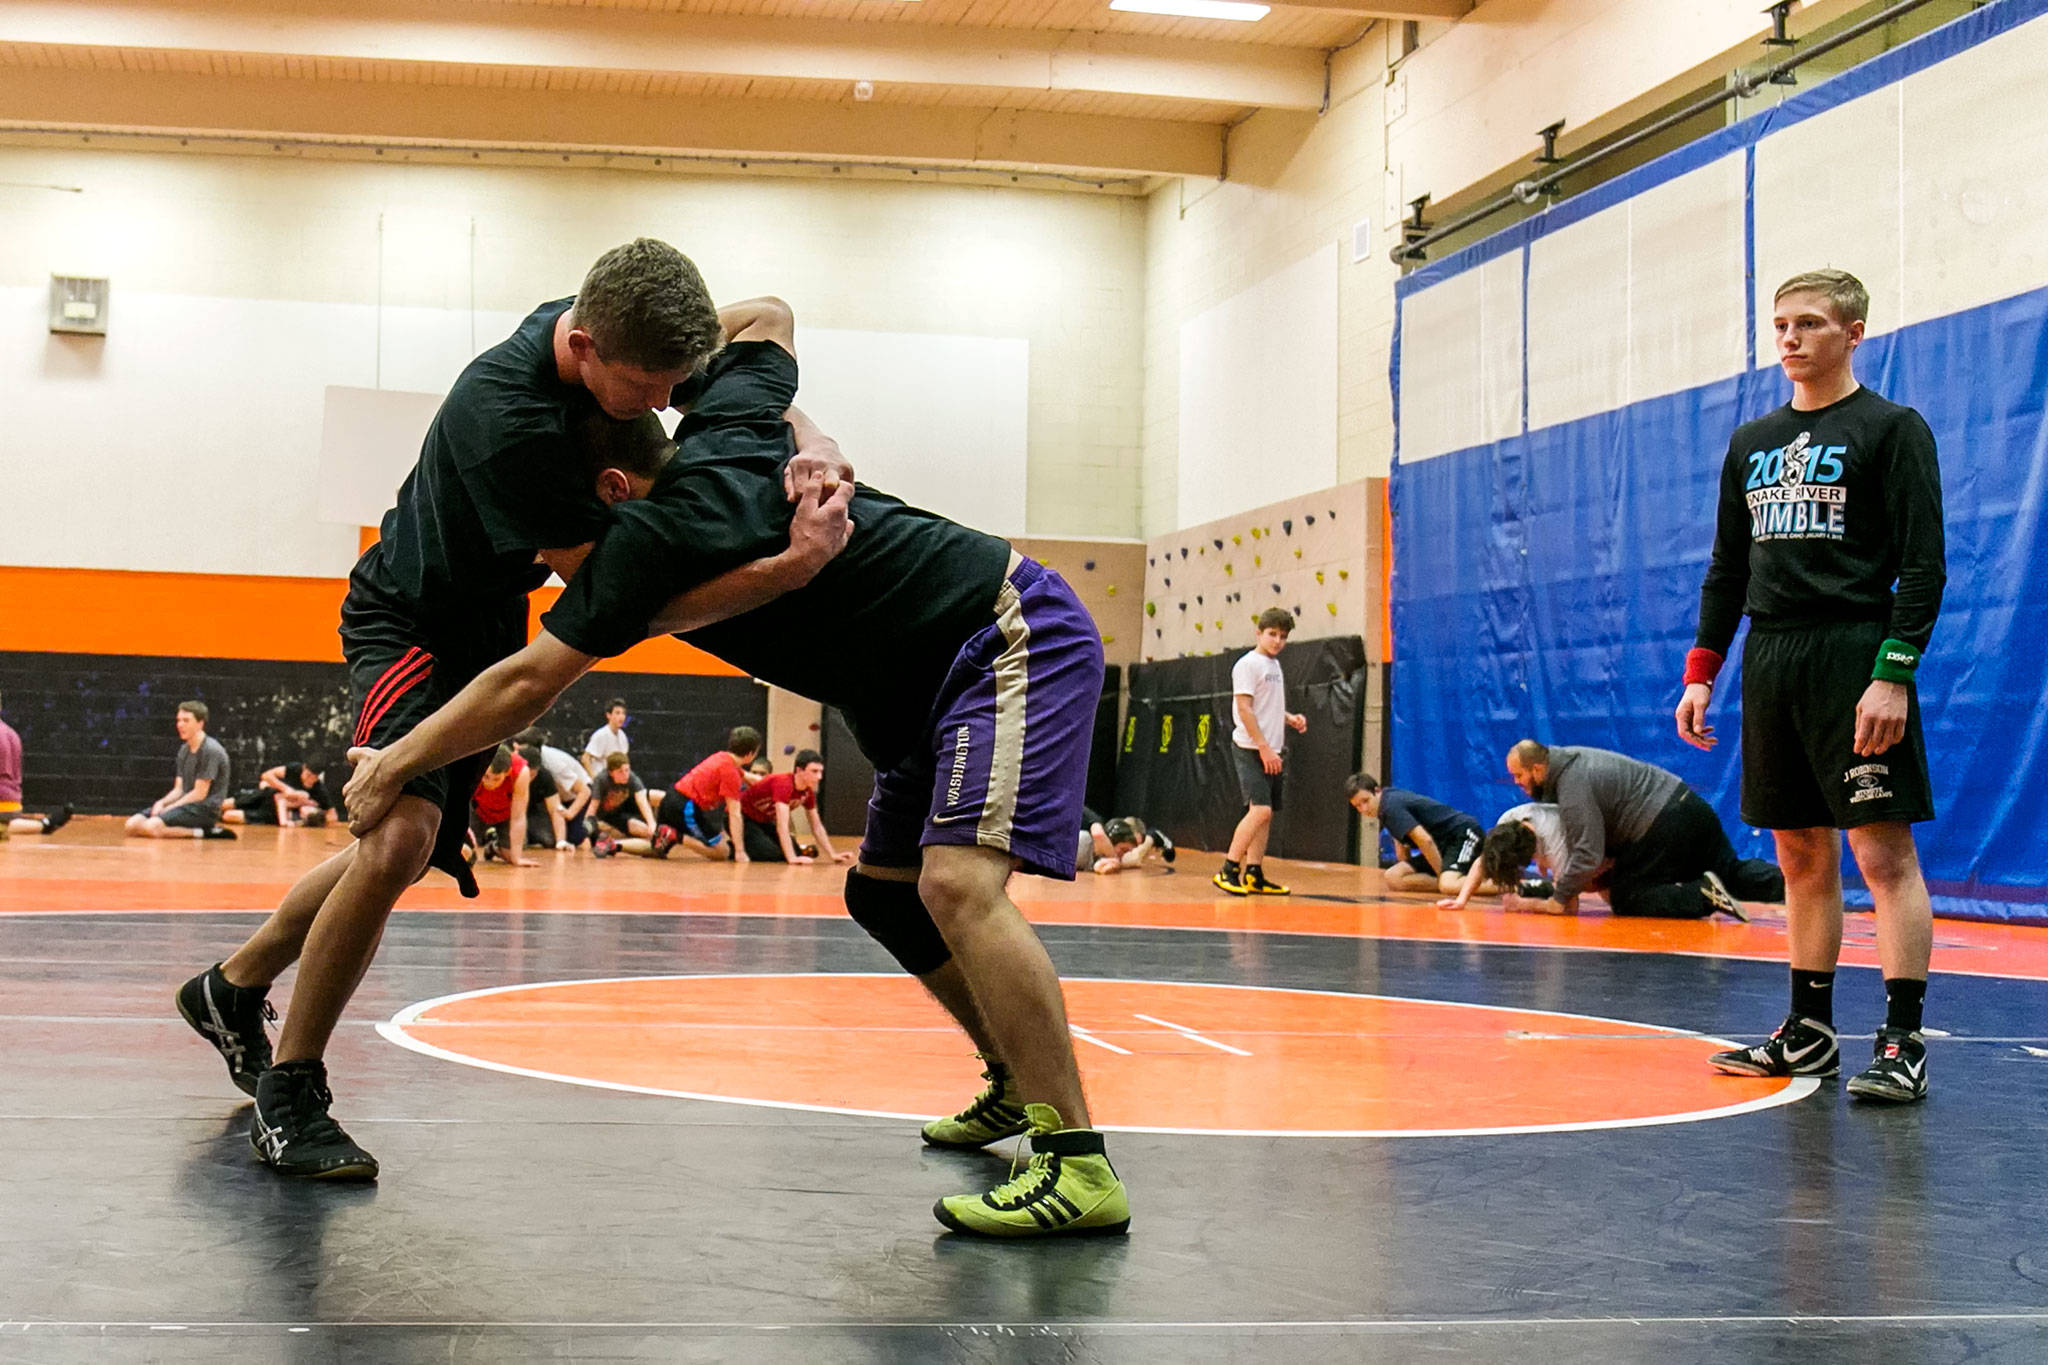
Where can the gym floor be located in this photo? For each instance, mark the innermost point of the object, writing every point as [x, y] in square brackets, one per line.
[639, 1111]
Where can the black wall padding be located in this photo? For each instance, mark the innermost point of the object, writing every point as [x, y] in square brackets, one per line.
[1174, 764]
[96, 729]
[1102, 750]
[849, 778]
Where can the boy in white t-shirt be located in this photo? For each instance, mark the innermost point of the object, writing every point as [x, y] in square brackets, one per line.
[1258, 740]
[608, 739]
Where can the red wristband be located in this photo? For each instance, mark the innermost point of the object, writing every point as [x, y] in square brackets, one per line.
[1701, 666]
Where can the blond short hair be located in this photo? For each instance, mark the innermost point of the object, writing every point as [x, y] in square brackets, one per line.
[1850, 300]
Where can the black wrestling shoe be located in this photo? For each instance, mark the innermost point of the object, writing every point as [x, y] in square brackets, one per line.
[53, 823]
[231, 1018]
[1898, 1075]
[220, 832]
[293, 1134]
[1800, 1047]
[1162, 843]
[490, 845]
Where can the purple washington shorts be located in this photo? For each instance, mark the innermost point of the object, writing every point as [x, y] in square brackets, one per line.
[1007, 755]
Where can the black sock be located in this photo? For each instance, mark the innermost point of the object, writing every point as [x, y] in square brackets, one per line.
[1813, 996]
[1903, 998]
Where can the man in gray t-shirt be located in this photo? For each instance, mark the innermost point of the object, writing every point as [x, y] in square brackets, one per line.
[1666, 852]
[191, 808]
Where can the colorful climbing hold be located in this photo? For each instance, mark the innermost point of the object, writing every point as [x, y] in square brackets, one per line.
[1288, 526]
[1151, 608]
[1333, 608]
[1344, 574]
[1234, 540]
[1110, 591]
[1089, 566]
[1319, 575]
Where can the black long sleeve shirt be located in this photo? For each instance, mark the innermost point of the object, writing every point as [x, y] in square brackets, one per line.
[1821, 513]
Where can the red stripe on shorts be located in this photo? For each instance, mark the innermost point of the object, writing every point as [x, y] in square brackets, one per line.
[395, 681]
[371, 721]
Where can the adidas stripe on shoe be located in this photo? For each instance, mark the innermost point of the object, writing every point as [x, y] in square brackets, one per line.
[1068, 1190]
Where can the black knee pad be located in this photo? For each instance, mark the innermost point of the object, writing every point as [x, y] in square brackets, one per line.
[895, 917]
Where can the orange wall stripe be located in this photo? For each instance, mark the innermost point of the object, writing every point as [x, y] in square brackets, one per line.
[194, 615]
[228, 616]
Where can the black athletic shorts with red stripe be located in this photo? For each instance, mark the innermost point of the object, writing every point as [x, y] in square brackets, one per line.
[400, 673]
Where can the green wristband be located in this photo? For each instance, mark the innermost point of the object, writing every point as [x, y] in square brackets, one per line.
[1896, 662]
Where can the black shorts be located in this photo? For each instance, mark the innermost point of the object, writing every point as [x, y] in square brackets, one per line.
[1260, 787]
[620, 817]
[191, 815]
[400, 673]
[685, 816]
[1800, 769]
[1461, 849]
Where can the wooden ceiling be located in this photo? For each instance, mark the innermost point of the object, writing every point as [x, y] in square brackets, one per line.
[1059, 85]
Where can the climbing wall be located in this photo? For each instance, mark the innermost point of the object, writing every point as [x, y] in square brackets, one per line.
[1109, 578]
[1318, 556]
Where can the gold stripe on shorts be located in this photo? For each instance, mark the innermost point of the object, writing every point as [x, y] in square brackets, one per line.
[1006, 762]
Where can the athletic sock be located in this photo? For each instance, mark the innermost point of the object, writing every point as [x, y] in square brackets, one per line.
[1813, 996]
[1903, 998]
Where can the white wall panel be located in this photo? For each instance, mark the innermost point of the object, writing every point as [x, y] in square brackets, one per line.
[1461, 361]
[1827, 195]
[1687, 321]
[1579, 319]
[939, 421]
[1976, 175]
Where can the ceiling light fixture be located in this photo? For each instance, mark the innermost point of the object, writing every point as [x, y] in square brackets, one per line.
[1194, 9]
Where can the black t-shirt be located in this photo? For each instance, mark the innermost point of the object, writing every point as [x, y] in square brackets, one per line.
[543, 785]
[1820, 513]
[295, 776]
[1401, 811]
[873, 634]
[497, 479]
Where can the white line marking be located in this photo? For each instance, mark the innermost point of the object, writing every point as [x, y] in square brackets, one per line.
[393, 1031]
[1186, 1032]
[1085, 1036]
[1454, 940]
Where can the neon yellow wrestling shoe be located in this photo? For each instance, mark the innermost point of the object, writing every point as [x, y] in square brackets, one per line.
[994, 1115]
[1068, 1190]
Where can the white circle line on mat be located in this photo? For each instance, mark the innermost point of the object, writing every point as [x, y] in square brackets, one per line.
[394, 1030]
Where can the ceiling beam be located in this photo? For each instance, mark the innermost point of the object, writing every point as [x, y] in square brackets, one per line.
[43, 99]
[1389, 9]
[592, 38]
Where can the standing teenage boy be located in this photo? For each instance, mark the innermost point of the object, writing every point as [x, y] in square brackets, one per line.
[1258, 743]
[1826, 504]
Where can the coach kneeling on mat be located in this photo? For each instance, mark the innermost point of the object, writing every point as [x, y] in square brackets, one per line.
[1672, 859]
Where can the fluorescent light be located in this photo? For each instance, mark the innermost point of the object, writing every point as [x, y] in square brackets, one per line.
[1194, 9]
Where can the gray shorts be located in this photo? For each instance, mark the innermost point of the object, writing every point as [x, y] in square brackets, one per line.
[1260, 788]
[191, 815]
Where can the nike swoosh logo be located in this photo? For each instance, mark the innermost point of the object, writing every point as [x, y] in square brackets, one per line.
[1802, 1053]
[950, 819]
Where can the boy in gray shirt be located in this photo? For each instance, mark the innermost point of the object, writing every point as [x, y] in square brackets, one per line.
[191, 808]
